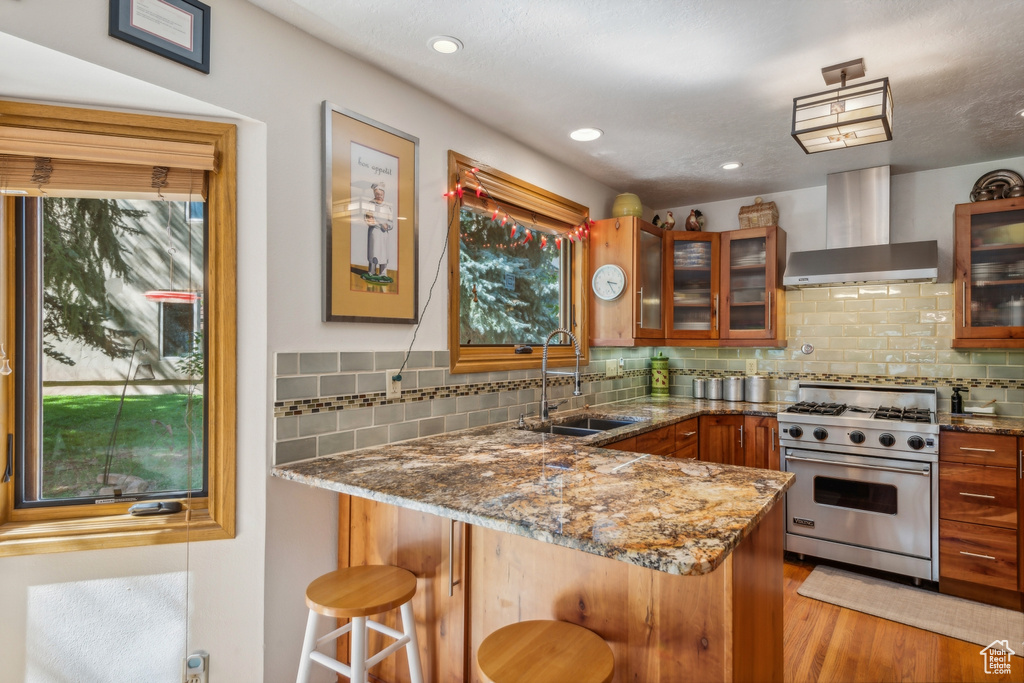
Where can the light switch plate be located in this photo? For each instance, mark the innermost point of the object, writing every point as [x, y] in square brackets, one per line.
[611, 368]
[751, 366]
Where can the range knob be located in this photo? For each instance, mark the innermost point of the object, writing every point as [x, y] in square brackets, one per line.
[915, 442]
[796, 431]
[857, 437]
[887, 439]
[820, 434]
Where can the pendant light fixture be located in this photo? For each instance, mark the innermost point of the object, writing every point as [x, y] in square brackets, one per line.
[848, 116]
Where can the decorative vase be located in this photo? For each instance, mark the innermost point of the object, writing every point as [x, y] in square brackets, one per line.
[659, 375]
[627, 204]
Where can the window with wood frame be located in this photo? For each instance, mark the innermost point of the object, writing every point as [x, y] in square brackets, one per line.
[117, 314]
[517, 266]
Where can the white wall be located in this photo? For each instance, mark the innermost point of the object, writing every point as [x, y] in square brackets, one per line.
[921, 208]
[247, 594]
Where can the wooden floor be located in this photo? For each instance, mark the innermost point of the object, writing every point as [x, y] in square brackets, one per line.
[824, 642]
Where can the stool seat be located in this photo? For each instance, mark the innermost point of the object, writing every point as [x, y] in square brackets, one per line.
[545, 652]
[360, 591]
[357, 593]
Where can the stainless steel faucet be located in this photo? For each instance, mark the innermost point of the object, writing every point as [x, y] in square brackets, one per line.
[545, 408]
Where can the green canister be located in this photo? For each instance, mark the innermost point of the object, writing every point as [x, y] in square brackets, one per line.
[659, 375]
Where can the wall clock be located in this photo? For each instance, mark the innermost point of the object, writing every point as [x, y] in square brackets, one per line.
[609, 282]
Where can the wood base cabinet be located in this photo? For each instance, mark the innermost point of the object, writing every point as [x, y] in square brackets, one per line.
[745, 440]
[979, 511]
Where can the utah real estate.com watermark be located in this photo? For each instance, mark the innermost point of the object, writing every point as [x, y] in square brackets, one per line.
[997, 656]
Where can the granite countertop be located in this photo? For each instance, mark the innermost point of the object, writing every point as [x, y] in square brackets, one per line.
[982, 424]
[675, 515]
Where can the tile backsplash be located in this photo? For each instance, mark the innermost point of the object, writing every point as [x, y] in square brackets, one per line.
[333, 402]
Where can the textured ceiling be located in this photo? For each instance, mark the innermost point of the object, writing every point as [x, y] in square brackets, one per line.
[681, 86]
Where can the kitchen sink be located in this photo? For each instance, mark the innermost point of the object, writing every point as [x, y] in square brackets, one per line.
[584, 426]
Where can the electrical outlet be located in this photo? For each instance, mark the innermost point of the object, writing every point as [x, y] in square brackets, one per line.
[622, 368]
[751, 366]
[196, 668]
[611, 368]
[394, 386]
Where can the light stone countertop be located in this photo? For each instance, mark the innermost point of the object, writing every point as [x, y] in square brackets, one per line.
[679, 516]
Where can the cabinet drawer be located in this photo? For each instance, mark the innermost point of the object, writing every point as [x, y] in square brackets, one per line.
[687, 452]
[980, 449]
[686, 434]
[978, 553]
[978, 494]
[659, 442]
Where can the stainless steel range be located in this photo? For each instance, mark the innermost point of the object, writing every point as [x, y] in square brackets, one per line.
[867, 486]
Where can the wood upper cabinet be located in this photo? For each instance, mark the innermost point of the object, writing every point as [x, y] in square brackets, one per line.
[376, 533]
[637, 316]
[692, 285]
[989, 274]
[753, 300]
[760, 442]
[721, 439]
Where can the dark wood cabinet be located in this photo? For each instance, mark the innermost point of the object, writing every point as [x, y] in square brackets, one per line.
[687, 434]
[760, 442]
[988, 257]
[721, 439]
[979, 515]
[753, 300]
[693, 289]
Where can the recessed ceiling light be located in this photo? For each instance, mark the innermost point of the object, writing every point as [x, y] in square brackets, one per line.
[1020, 113]
[445, 44]
[586, 134]
[729, 166]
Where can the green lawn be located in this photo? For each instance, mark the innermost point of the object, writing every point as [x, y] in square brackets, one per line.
[152, 442]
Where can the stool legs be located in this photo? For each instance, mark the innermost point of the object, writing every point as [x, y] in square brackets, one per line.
[308, 645]
[413, 649]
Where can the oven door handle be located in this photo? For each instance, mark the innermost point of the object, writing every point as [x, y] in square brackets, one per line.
[925, 472]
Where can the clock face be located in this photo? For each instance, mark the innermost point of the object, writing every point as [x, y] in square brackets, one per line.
[609, 282]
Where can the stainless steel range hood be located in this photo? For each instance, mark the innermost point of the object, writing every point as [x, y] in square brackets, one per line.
[857, 239]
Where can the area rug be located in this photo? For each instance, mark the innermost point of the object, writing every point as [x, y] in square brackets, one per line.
[945, 614]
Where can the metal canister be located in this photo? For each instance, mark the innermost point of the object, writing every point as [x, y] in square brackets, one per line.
[732, 388]
[715, 388]
[659, 375]
[756, 389]
[699, 387]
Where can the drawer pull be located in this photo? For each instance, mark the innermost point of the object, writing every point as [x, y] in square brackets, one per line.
[984, 557]
[977, 495]
[978, 450]
[688, 434]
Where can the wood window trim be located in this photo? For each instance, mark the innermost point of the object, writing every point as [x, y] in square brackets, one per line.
[518, 195]
[86, 527]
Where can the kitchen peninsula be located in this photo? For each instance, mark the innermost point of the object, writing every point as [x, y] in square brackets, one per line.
[675, 562]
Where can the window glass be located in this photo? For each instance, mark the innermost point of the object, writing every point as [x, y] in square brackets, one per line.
[513, 287]
[115, 399]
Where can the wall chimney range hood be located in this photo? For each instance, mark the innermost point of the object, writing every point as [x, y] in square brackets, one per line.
[858, 250]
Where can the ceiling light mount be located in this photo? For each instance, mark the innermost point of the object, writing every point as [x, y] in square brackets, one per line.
[446, 45]
[848, 116]
[586, 134]
[731, 165]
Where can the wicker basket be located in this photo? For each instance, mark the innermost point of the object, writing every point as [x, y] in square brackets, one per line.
[759, 215]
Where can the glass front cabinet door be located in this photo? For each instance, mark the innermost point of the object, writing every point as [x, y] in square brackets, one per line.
[989, 277]
[752, 299]
[692, 297]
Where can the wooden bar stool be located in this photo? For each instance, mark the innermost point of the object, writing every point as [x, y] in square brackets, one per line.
[357, 593]
[545, 652]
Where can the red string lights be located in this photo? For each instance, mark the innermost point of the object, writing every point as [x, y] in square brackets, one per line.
[576, 234]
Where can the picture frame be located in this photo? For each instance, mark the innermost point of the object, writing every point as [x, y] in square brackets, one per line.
[176, 29]
[370, 228]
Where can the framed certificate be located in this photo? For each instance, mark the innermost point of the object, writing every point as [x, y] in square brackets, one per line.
[175, 29]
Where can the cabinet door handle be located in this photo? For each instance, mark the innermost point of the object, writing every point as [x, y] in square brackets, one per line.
[741, 436]
[770, 310]
[984, 557]
[640, 296]
[1020, 464]
[771, 446]
[977, 495]
[978, 450]
[452, 581]
[963, 300]
[716, 312]
[688, 434]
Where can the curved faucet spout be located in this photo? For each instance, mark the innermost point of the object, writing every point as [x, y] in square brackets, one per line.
[545, 407]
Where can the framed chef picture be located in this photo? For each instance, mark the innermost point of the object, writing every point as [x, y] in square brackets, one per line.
[370, 231]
